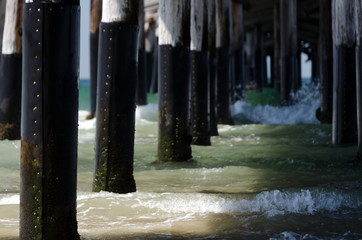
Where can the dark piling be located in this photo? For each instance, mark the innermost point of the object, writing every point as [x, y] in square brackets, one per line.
[173, 70]
[199, 74]
[10, 76]
[288, 49]
[344, 125]
[49, 120]
[212, 66]
[223, 47]
[117, 71]
[358, 19]
[141, 82]
[326, 60]
[96, 15]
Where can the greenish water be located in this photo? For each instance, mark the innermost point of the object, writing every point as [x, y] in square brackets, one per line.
[278, 177]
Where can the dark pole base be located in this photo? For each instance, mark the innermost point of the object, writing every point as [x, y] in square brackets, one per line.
[10, 96]
[199, 98]
[117, 71]
[49, 121]
[344, 126]
[173, 137]
[223, 86]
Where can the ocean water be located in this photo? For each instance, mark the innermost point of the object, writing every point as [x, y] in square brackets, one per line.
[277, 178]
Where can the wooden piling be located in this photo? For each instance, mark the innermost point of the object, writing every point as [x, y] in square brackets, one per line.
[173, 71]
[223, 46]
[325, 60]
[151, 48]
[211, 15]
[10, 72]
[96, 15]
[141, 82]
[344, 123]
[288, 49]
[117, 70]
[49, 122]
[259, 58]
[358, 19]
[199, 74]
[238, 48]
[276, 40]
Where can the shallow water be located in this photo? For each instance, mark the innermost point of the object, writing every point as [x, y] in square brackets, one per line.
[271, 180]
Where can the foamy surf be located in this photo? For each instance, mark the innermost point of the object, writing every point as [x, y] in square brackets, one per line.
[302, 112]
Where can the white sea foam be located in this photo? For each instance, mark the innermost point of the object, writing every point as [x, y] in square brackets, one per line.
[303, 111]
[9, 199]
[144, 114]
[269, 203]
[147, 112]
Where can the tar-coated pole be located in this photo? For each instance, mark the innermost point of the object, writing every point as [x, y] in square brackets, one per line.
[238, 48]
[212, 66]
[344, 121]
[96, 15]
[49, 131]
[325, 61]
[288, 49]
[223, 47]
[10, 72]
[358, 19]
[141, 84]
[117, 70]
[173, 71]
[199, 74]
[276, 46]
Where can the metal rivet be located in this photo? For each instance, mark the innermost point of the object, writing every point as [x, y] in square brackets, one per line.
[34, 83]
[38, 95]
[34, 134]
[110, 39]
[109, 57]
[38, 9]
[108, 76]
[30, 9]
[35, 108]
